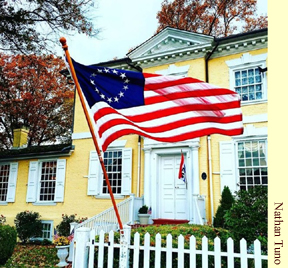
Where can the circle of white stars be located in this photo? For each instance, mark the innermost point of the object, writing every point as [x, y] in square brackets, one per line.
[121, 92]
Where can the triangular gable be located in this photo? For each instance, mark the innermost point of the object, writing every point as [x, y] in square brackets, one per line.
[170, 40]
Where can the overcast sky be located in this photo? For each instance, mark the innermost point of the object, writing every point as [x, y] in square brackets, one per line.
[125, 24]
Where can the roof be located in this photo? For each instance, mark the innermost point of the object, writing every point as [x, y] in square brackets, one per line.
[37, 152]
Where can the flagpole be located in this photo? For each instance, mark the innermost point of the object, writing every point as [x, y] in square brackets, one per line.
[65, 48]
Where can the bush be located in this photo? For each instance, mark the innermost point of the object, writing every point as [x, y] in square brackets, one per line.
[226, 203]
[186, 230]
[248, 217]
[28, 225]
[8, 238]
[63, 229]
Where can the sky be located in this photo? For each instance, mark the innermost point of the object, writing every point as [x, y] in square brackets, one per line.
[124, 25]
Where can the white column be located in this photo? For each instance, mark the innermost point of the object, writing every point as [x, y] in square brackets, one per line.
[131, 209]
[147, 176]
[72, 226]
[81, 252]
[194, 192]
[195, 170]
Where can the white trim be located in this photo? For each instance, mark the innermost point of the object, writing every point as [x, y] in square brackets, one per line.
[257, 118]
[81, 135]
[246, 58]
[175, 70]
[87, 135]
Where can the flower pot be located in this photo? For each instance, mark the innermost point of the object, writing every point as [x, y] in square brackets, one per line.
[62, 253]
[144, 218]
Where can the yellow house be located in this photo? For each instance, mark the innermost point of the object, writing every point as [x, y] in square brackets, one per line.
[67, 179]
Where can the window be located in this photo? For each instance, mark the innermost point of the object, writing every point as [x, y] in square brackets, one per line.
[46, 181]
[8, 179]
[113, 165]
[252, 163]
[4, 178]
[47, 231]
[246, 78]
[118, 164]
[248, 84]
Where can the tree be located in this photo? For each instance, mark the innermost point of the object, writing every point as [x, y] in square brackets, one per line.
[248, 216]
[34, 94]
[28, 225]
[226, 203]
[34, 25]
[211, 17]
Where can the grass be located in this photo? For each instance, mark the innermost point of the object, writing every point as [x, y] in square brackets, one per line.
[29, 256]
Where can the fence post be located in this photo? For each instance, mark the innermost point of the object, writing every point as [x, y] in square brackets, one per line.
[72, 226]
[125, 237]
[81, 253]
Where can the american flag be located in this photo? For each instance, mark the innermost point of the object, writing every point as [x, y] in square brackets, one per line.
[163, 108]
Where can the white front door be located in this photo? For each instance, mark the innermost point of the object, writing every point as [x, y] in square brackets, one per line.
[173, 193]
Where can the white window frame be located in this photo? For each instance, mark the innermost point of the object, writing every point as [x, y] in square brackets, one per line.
[51, 231]
[237, 159]
[12, 182]
[34, 176]
[95, 177]
[229, 172]
[248, 61]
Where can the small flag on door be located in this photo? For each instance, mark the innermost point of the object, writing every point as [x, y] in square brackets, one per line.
[182, 169]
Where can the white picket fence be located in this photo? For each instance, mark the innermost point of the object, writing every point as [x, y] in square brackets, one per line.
[182, 253]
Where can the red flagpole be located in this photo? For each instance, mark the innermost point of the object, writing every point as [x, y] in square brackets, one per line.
[65, 48]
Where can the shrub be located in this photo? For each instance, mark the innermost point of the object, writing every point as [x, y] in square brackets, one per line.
[63, 229]
[248, 217]
[226, 203]
[8, 238]
[28, 225]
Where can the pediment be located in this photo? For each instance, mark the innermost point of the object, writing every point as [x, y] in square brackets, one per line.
[168, 41]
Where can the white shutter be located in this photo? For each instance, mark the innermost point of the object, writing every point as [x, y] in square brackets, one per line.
[93, 181]
[12, 182]
[60, 180]
[126, 171]
[32, 182]
[227, 166]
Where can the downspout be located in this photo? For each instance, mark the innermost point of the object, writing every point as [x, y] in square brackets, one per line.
[207, 57]
[139, 166]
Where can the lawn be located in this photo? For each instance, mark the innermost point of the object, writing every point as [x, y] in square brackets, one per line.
[32, 256]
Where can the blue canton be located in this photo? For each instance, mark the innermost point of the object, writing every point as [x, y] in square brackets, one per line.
[119, 88]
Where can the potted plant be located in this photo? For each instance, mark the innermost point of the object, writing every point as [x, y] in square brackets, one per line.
[144, 215]
[62, 244]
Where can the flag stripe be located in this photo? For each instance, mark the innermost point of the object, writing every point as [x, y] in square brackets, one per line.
[173, 138]
[164, 124]
[149, 112]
